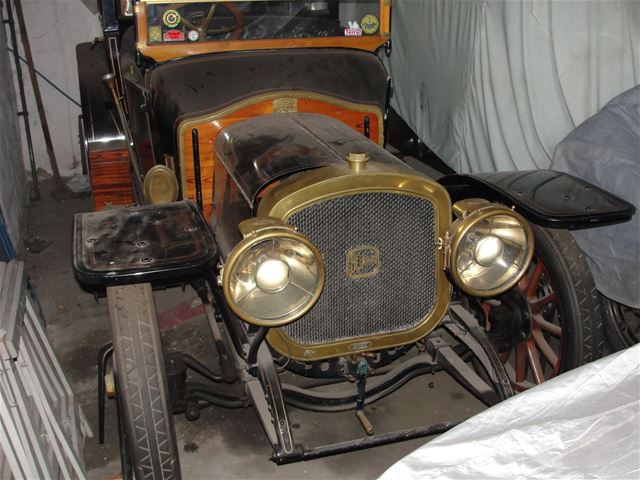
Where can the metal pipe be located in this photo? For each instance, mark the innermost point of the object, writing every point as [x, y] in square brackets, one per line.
[200, 368]
[361, 443]
[196, 166]
[336, 400]
[110, 81]
[387, 106]
[226, 361]
[364, 421]
[36, 93]
[24, 113]
[237, 329]
[252, 358]
[103, 357]
[200, 392]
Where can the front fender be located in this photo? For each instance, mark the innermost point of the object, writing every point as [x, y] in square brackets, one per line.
[544, 197]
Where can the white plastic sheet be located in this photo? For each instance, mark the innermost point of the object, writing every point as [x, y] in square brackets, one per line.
[582, 424]
[495, 85]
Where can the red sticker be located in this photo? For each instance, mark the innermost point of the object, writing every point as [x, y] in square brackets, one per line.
[354, 30]
[173, 36]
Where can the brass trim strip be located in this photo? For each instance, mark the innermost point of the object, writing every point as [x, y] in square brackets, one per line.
[190, 123]
[331, 182]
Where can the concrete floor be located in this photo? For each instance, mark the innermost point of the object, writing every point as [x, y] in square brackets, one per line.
[222, 443]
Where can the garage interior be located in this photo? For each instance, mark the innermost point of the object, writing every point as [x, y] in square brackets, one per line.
[445, 101]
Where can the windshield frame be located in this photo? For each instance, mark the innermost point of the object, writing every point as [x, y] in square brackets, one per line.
[161, 52]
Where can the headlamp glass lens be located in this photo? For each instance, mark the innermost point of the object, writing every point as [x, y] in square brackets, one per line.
[274, 278]
[491, 253]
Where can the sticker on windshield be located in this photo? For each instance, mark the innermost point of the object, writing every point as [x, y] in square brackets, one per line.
[155, 33]
[173, 36]
[354, 30]
[171, 18]
[369, 24]
[193, 35]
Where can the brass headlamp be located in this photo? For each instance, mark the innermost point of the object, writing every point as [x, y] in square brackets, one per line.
[274, 275]
[490, 247]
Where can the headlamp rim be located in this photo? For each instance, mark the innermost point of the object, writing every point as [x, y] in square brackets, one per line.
[276, 232]
[160, 171]
[459, 229]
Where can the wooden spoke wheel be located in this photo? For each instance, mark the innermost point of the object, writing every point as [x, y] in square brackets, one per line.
[551, 321]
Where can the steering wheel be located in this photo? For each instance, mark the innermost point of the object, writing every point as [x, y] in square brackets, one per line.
[200, 23]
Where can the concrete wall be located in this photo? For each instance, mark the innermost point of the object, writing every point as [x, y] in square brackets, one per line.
[12, 177]
[54, 28]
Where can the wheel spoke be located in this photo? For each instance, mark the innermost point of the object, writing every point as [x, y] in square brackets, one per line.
[539, 303]
[540, 322]
[534, 362]
[528, 360]
[522, 284]
[542, 304]
[517, 386]
[545, 348]
[532, 286]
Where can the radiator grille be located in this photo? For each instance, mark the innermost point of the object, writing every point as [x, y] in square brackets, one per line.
[398, 296]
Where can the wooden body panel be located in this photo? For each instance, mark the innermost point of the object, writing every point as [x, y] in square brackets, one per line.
[210, 126]
[165, 52]
[110, 175]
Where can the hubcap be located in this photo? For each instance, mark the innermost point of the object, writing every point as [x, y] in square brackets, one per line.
[510, 321]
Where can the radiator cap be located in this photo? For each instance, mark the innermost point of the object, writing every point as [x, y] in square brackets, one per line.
[357, 161]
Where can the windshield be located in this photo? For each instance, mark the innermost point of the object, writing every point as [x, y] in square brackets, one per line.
[261, 19]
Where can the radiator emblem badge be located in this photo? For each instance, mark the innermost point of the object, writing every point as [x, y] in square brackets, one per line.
[363, 261]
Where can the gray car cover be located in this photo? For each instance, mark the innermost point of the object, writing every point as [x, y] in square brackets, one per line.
[605, 150]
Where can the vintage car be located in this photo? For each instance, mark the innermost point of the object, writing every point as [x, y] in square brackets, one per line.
[238, 147]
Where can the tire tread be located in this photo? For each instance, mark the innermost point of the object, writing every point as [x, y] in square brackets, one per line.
[142, 385]
[587, 300]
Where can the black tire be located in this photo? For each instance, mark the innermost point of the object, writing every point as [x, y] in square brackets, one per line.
[148, 430]
[579, 307]
[621, 324]
[570, 322]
